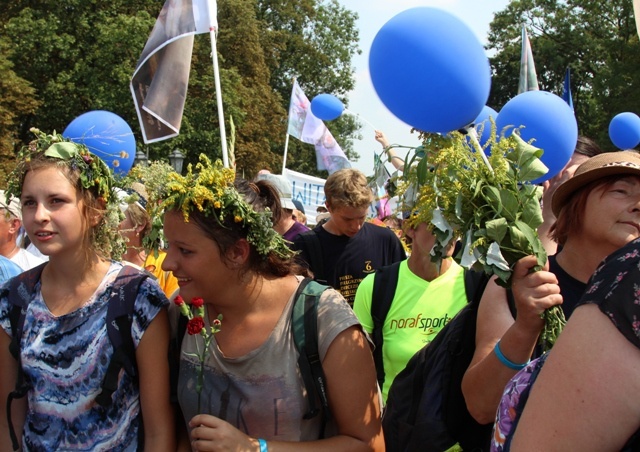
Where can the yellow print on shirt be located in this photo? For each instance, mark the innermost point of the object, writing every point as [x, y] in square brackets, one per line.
[368, 268]
[424, 324]
[348, 286]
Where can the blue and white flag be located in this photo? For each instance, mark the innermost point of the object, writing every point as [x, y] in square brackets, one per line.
[308, 128]
[566, 92]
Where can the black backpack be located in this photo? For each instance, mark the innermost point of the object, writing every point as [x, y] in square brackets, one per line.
[120, 310]
[304, 327]
[425, 409]
[384, 289]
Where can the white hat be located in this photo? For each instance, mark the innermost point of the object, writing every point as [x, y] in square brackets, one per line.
[13, 206]
[283, 186]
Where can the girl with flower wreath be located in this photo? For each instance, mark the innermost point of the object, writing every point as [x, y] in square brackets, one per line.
[226, 255]
[71, 215]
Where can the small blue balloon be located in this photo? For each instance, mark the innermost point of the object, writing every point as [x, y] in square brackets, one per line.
[624, 130]
[106, 135]
[482, 124]
[549, 121]
[430, 70]
[326, 107]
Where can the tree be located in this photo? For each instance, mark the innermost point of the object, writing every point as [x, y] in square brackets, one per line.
[79, 56]
[596, 39]
[17, 99]
[313, 41]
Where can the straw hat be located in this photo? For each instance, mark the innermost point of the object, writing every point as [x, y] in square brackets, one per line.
[597, 167]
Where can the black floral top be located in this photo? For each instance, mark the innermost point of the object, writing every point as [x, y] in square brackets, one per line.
[615, 289]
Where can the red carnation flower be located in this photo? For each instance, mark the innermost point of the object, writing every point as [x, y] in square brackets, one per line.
[178, 300]
[197, 302]
[217, 322]
[195, 325]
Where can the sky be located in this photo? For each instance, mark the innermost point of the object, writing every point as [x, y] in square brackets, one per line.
[363, 100]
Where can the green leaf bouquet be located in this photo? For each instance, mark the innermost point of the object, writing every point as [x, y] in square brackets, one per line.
[488, 202]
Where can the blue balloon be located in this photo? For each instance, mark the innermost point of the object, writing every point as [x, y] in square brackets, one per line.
[482, 124]
[430, 70]
[106, 135]
[326, 107]
[549, 121]
[624, 130]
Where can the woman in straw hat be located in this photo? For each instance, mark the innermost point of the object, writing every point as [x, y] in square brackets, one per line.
[575, 404]
[597, 212]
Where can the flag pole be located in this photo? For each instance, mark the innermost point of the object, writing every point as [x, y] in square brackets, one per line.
[284, 157]
[286, 140]
[216, 75]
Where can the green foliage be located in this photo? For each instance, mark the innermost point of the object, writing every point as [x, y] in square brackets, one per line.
[18, 99]
[487, 202]
[596, 39]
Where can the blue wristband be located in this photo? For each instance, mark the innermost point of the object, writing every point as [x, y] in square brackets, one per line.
[263, 445]
[504, 360]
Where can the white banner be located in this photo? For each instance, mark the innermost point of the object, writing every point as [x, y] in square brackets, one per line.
[309, 190]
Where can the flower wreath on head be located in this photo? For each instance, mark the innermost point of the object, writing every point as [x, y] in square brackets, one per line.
[93, 173]
[210, 190]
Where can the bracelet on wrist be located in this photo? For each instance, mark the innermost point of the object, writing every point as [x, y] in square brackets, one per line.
[263, 445]
[506, 361]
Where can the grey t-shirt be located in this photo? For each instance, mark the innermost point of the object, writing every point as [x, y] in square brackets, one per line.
[262, 392]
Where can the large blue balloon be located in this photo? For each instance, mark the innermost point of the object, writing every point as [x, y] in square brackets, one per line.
[624, 130]
[326, 107]
[482, 123]
[106, 135]
[430, 70]
[549, 121]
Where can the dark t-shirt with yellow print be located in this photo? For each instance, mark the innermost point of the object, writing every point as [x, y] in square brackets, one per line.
[347, 260]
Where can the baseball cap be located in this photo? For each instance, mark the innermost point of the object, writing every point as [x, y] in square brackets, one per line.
[597, 167]
[298, 205]
[13, 206]
[283, 186]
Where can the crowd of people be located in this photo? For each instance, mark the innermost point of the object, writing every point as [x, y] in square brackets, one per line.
[234, 257]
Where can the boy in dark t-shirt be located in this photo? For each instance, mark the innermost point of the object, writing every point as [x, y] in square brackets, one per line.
[349, 248]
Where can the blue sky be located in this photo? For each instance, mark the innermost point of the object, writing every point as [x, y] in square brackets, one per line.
[363, 101]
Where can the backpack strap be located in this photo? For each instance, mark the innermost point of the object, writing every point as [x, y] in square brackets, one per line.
[174, 357]
[124, 292]
[304, 323]
[385, 281]
[19, 291]
[474, 284]
[314, 253]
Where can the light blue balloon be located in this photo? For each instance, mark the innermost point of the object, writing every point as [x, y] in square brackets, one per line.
[326, 107]
[624, 130]
[430, 70]
[548, 120]
[106, 135]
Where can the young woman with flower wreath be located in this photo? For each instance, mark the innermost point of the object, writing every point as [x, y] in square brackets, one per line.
[71, 215]
[226, 255]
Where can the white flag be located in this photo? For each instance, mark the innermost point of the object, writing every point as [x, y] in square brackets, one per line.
[308, 128]
[159, 83]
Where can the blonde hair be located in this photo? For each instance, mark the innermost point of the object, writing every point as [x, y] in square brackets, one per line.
[137, 214]
[347, 188]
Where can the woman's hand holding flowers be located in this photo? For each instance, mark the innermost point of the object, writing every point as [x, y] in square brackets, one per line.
[534, 292]
[209, 433]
